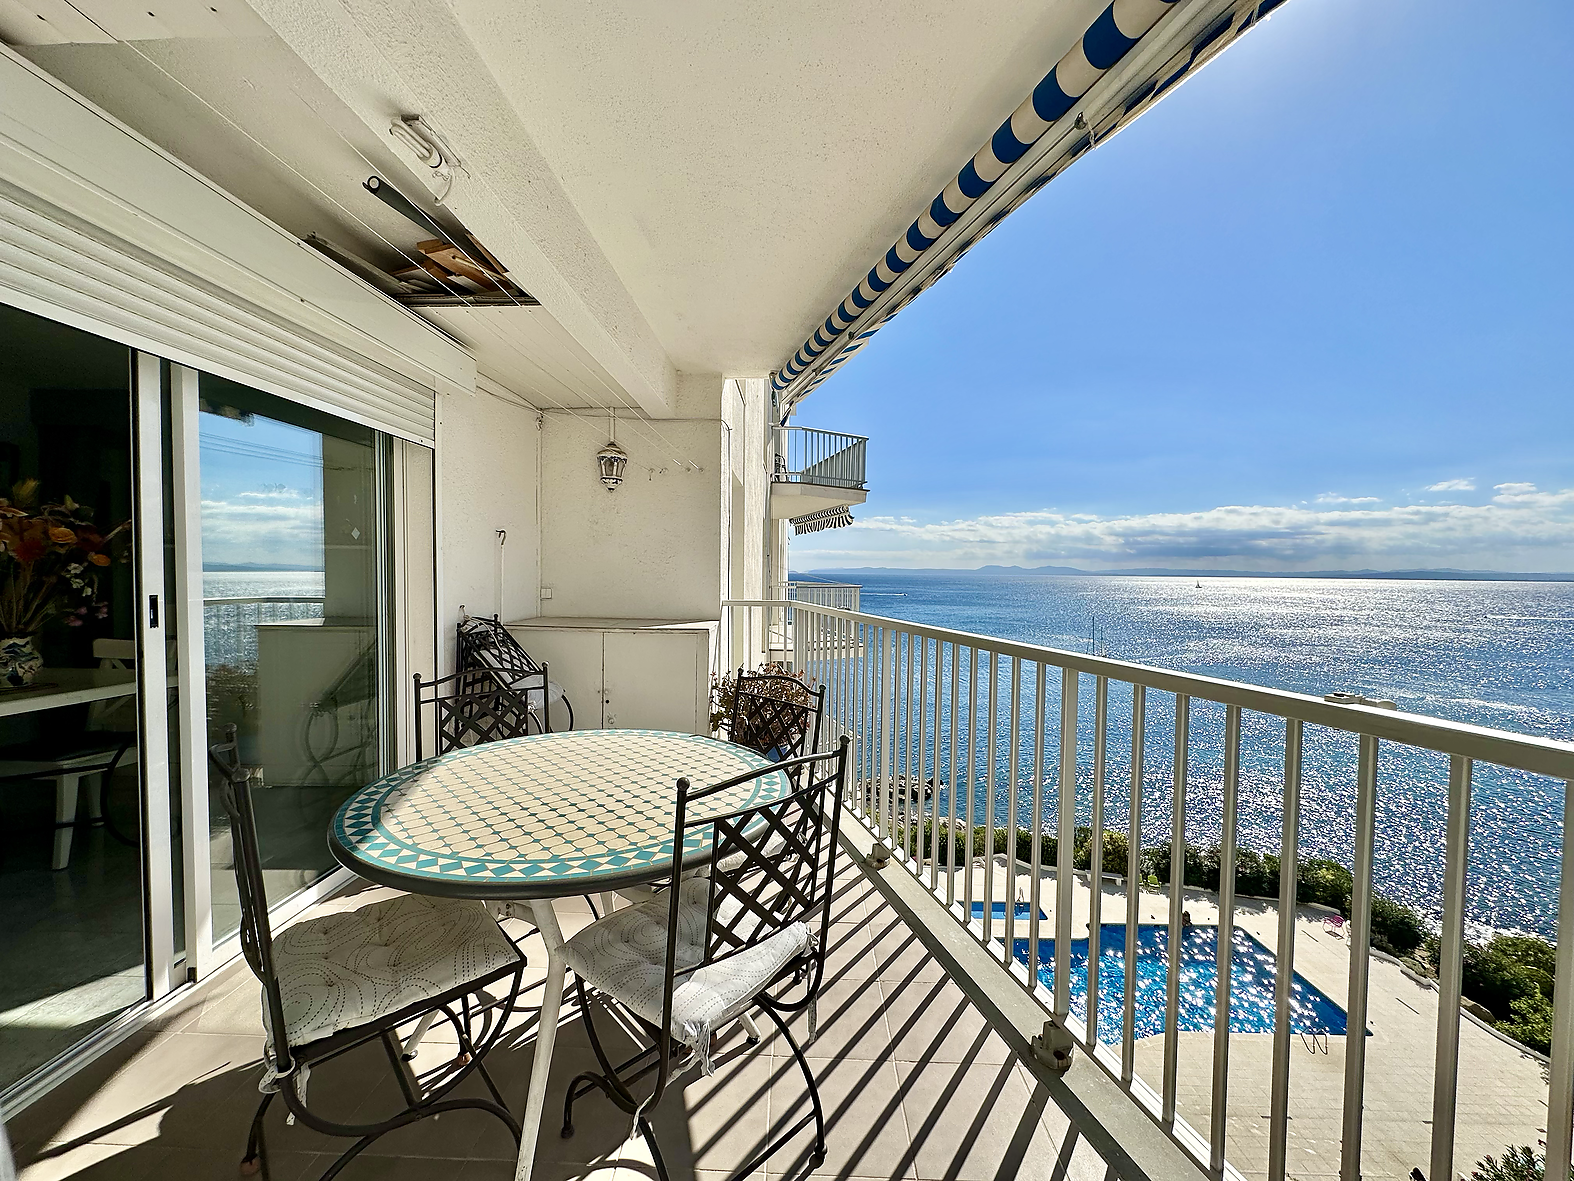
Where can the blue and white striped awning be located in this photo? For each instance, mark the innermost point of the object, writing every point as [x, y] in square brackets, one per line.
[1107, 42]
[827, 518]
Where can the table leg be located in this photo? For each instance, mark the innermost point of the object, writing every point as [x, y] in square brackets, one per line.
[546, 1036]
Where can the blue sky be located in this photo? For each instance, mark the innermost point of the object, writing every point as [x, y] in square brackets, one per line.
[1315, 310]
[261, 492]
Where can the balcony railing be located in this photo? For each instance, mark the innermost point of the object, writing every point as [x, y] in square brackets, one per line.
[808, 456]
[841, 595]
[1007, 723]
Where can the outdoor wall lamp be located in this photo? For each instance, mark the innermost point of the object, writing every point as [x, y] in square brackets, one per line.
[612, 459]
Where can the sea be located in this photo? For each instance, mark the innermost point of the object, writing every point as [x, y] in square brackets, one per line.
[1497, 654]
[231, 610]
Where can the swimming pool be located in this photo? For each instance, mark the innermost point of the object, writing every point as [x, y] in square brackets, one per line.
[997, 910]
[1253, 972]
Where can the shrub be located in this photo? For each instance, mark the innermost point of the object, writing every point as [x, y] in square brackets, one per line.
[1201, 870]
[1256, 874]
[1494, 977]
[1396, 929]
[1115, 846]
[1530, 1022]
[1533, 953]
[1326, 883]
[1518, 1164]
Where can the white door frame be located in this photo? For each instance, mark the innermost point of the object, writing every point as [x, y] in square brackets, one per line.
[187, 486]
[152, 614]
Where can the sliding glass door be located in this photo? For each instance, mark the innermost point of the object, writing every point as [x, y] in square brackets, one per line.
[179, 554]
[294, 587]
[76, 870]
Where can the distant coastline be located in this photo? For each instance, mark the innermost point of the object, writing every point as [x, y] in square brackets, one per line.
[1164, 572]
[257, 568]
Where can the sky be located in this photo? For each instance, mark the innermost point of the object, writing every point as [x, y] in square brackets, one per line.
[262, 495]
[1313, 311]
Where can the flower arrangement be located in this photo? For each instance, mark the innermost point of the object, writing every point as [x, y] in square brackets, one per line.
[51, 557]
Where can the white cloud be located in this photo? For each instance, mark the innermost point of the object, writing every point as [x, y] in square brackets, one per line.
[273, 525]
[1335, 498]
[1522, 528]
[1463, 484]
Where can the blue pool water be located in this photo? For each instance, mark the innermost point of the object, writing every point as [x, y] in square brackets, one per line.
[997, 910]
[1253, 972]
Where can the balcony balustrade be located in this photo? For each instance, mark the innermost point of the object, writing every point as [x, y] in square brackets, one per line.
[805, 455]
[1145, 748]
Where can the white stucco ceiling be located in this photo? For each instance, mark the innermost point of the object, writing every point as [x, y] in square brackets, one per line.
[741, 165]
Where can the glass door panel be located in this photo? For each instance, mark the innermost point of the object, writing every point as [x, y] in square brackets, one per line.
[291, 515]
[72, 941]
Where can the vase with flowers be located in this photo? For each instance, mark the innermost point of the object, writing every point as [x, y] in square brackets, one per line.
[51, 559]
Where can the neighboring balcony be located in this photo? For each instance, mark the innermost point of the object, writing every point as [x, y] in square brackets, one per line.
[816, 472]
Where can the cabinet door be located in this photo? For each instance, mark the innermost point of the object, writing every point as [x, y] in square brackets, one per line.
[573, 659]
[653, 678]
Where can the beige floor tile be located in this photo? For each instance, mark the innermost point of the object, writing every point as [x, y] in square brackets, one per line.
[932, 1021]
[850, 1016]
[865, 1130]
[975, 1122]
[849, 952]
[151, 1162]
[178, 1088]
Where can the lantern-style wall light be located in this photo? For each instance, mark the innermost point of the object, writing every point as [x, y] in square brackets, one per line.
[612, 459]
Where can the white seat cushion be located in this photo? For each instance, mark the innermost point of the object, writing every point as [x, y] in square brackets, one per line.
[625, 956]
[343, 970]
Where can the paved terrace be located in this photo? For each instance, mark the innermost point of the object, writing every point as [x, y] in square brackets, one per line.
[914, 1081]
[1502, 1086]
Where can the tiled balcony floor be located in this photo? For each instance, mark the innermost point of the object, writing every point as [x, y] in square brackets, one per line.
[914, 1082]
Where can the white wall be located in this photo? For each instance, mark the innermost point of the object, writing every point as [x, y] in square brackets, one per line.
[653, 548]
[488, 471]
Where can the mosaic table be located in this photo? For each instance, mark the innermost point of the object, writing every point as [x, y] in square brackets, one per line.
[537, 818]
[575, 812]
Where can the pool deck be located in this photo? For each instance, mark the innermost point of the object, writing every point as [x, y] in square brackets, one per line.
[1503, 1089]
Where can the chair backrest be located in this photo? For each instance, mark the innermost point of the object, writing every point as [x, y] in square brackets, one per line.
[256, 936]
[773, 864]
[487, 644]
[471, 707]
[775, 714]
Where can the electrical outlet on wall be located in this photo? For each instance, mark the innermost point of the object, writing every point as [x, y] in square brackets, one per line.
[546, 592]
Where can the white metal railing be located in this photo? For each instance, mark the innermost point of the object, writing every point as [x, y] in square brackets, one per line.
[928, 708]
[806, 455]
[842, 595]
[229, 625]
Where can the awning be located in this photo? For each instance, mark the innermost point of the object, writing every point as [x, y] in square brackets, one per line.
[1108, 42]
[826, 518]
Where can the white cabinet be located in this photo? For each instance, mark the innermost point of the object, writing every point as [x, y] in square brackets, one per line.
[621, 674]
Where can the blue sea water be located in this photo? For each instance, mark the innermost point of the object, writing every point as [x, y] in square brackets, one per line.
[1498, 654]
[1253, 972]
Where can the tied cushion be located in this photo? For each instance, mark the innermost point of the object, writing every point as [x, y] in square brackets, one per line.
[624, 955]
[342, 970]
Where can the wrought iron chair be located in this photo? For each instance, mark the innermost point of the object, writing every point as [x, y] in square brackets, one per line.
[775, 714]
[752, 935]
[486, 644]
[323, 995]
[469, 708]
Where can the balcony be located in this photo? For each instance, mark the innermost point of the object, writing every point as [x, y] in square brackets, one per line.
[816, 471]
[926, 1023]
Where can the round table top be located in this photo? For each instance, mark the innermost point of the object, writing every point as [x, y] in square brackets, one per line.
[571, 812]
